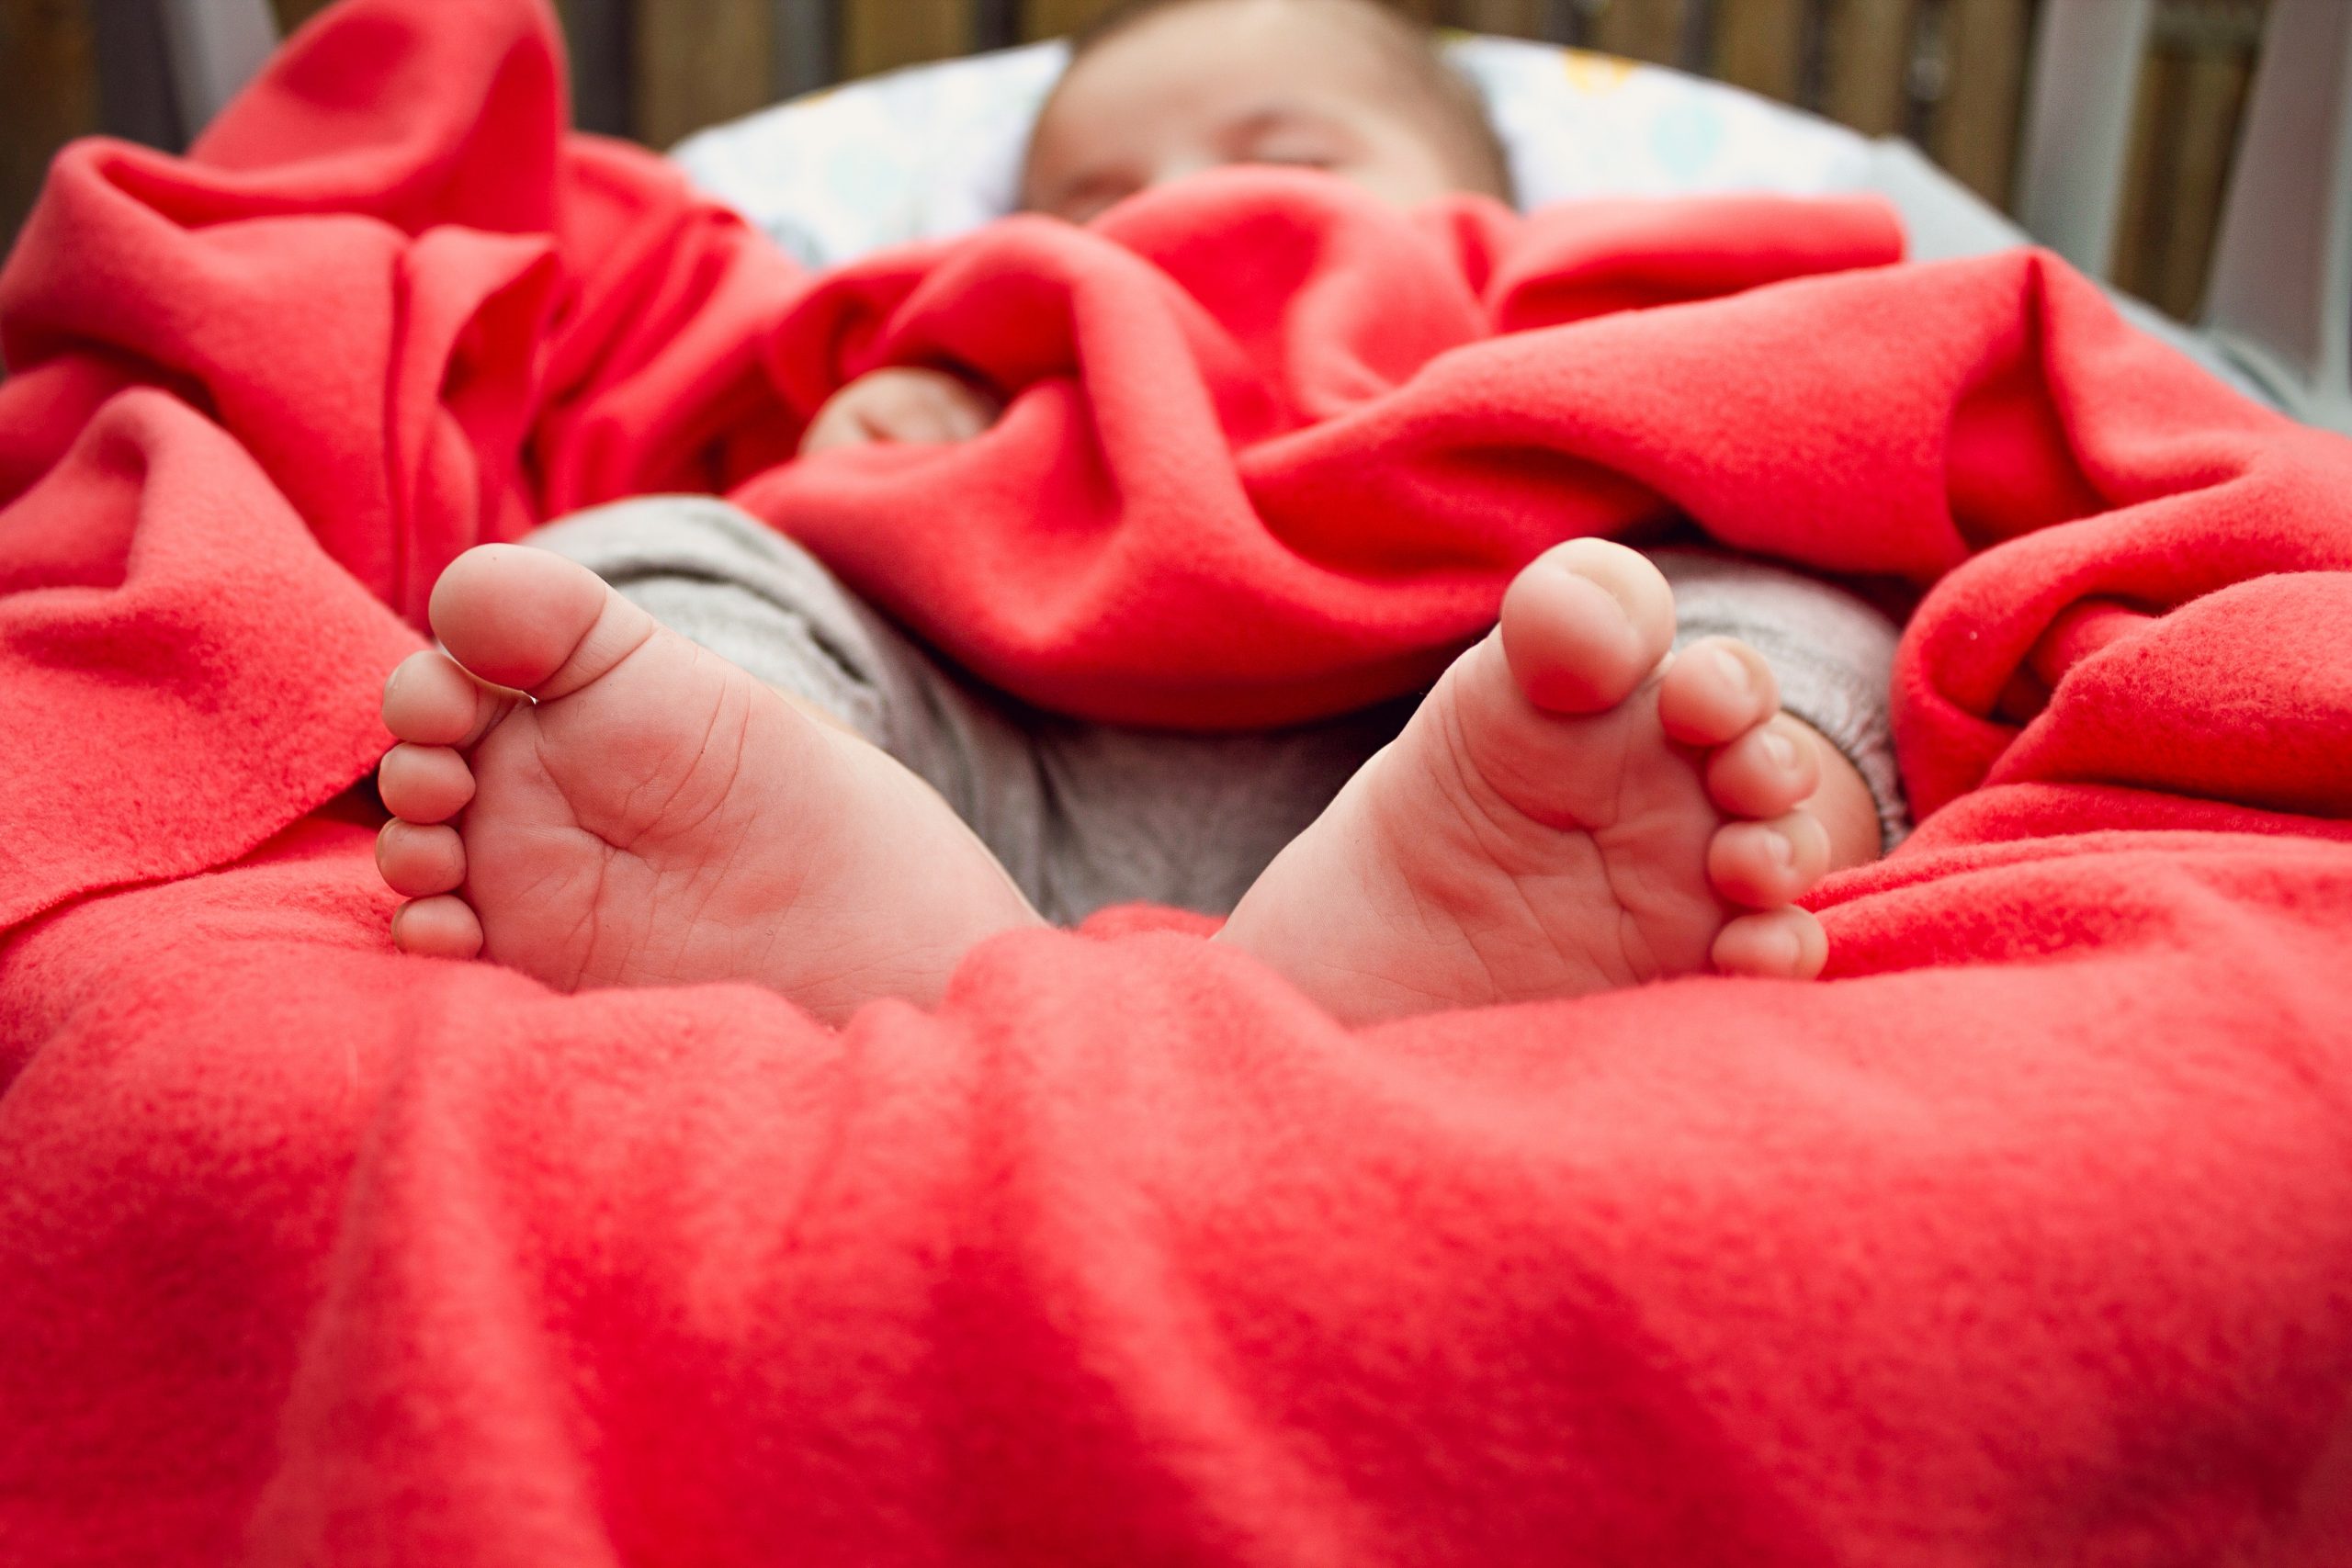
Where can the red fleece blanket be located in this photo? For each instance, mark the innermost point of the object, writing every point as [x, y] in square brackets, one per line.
[2025, 1238]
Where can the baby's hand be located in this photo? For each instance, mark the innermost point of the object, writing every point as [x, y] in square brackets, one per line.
[905, 406]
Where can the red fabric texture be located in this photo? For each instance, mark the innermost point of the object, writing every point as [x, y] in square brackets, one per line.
[2025, 1236]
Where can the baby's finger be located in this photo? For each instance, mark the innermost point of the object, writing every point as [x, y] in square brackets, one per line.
[903, 406]
[836, 424]
[915, 419]
[960, 412]
[923, 407]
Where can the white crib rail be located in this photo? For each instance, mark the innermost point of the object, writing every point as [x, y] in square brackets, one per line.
[2077, 135]
[2281, 296]
[213, 48]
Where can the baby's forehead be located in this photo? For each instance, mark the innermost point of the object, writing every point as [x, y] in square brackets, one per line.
[1220, 58]
[1332, 41]
[1223, 74]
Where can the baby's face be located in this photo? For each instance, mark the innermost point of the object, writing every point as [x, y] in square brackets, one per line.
[1237, 82]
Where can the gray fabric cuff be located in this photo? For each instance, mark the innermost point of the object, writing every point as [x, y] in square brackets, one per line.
[718, 577]
[1833, 655]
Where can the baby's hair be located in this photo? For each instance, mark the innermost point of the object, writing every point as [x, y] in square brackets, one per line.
[1460, 108]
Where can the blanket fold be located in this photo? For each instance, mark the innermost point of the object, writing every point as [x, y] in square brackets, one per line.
[2025, 1236]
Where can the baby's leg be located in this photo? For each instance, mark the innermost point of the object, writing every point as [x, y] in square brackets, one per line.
[1564, 815]
[654, 814]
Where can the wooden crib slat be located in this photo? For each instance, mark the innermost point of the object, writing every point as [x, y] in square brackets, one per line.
[1868, 43]
[1520, 18]
[1655, 31]
[1975, 134]
[2191, 99]
[996, 24]
[884, 35]
[698, 61]
[1051, 18]
[49, 94]
[1760, 45]
[597, 32]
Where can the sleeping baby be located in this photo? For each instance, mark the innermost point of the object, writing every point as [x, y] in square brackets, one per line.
[727, 767]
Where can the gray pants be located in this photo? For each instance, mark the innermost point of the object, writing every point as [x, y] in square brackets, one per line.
[1084, 814]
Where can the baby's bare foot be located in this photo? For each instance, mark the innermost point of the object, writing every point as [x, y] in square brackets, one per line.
[1560, 817]
[656, 816]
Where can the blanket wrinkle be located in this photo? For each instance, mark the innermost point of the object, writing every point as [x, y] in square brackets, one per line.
[184, 679]
[2024, 1236]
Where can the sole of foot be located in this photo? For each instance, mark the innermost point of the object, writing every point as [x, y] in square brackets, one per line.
[1569, 811]
[583, 796]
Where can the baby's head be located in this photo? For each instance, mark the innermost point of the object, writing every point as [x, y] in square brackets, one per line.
[1159, 89]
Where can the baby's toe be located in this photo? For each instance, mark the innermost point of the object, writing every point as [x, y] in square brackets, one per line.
[424, 784]
[1716, 689]
[1762, 865]
[1781, 944]
[528, 619]
[437, 928]
[1584, 624]
[419, 861]
[1765, 772]
[431, 700]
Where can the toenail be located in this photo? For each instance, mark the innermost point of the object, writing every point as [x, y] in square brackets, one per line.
[1734, 667]
[1783, 851]
[1781, 750]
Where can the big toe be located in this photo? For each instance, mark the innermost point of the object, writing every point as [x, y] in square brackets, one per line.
[1584, 624]
[531, 620]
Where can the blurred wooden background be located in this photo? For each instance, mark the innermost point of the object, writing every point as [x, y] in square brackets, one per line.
[1948, 73]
